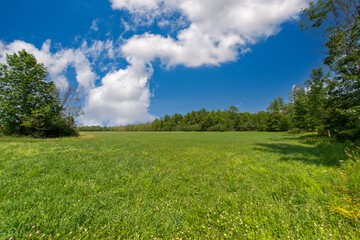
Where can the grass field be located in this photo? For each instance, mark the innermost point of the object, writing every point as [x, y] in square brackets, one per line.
[118, 185]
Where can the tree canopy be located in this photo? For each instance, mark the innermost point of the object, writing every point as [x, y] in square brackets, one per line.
[30, 105]
[339, 24]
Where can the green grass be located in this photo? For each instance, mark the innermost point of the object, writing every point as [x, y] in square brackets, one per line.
[178, 185]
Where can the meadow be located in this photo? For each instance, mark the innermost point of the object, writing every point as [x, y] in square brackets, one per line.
[177, 185]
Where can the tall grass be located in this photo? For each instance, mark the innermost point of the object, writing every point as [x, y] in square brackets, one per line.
[121, 185]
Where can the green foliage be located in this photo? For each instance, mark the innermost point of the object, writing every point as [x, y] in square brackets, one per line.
[339, 23]
[277, 105]
[214, 121]
[29, 105]
[327, 103]
[299, 107]
[309, 103]
[278, 122]
[317, 99]
[169, 185]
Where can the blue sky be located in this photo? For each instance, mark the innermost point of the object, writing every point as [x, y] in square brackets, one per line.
[133, 60]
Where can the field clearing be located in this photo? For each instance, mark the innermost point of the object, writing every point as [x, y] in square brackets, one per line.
[173, 185]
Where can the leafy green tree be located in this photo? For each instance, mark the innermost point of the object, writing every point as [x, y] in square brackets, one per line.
[231, 117]
[300, 103]
[308, 107]
[278, 122]
[262, 121]
[339, 23]
[29, 105]
[277, 105]
[156, 125]
[317, 98]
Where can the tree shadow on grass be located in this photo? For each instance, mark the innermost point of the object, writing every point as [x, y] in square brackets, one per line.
[289, 138]
[325, 154]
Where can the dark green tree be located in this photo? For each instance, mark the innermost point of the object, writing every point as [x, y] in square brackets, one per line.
[277, 105]
[299, 107]
[29, 105]
[278, 122]
[339, 23]
[317, 98]
[308, 107]
[262, 120]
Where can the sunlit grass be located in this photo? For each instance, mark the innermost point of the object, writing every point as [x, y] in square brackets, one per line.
[177, 185]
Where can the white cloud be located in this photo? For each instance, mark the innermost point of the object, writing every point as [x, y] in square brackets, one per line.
[94, 25]
[208, 32]
[218, 30]
[56, 63]
[100, 50]
[135, 5]
[123, 97]
[193, 48]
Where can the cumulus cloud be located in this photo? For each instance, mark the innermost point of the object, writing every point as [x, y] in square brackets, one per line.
[218, 30]
[56, 63]
[207, 32]
[193, 48]
[123, 97]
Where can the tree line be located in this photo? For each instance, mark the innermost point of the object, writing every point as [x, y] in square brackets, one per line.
[327, 103]
[313, 107]
[220, 120]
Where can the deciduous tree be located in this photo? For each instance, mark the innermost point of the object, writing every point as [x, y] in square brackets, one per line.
[30, 105]
[339, 24]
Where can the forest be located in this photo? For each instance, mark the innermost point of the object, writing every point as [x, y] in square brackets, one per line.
[313, 107]
[327, 103]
